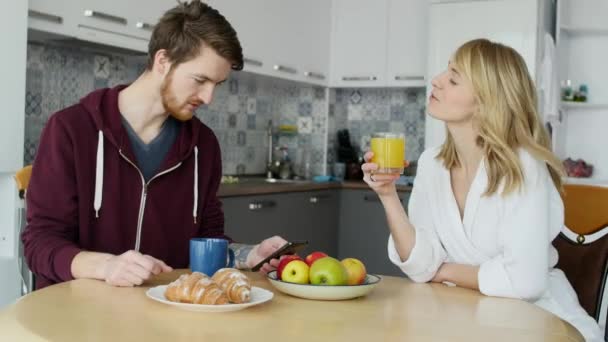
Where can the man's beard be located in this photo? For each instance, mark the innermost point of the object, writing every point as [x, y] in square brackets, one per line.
[170, 102]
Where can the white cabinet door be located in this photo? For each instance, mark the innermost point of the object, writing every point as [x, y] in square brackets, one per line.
[452, 24]
[282, 38]
[303, 40]
[407, 42]
[358, 53]
[52, 16]
[111, 23]
[252, 22]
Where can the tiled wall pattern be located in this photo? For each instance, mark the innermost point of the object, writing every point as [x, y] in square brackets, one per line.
[240, 112]
[365, 111]
[58, 76]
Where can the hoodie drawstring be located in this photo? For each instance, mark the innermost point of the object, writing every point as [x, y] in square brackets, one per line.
[195, 183]
[98, 175]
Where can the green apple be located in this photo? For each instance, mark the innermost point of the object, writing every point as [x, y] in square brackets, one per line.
[296, 271]
[328, 271]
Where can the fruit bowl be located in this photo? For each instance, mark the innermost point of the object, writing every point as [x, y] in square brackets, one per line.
[324, 292]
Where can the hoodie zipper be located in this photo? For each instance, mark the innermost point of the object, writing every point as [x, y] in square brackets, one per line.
[144, 195]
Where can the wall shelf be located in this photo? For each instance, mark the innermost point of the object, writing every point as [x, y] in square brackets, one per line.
[578, 30]
[587, 181]
[584, 105]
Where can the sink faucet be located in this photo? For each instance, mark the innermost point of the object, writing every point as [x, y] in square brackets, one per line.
[269, 162]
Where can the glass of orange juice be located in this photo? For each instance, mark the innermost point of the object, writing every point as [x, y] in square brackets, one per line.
[389, 152]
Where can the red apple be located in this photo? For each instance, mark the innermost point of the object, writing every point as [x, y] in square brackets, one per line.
[284, 260]
[296, 271]
[314, 256]
[356, 271]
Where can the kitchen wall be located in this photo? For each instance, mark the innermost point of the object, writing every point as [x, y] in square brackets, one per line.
[58, 76]
[365, 111]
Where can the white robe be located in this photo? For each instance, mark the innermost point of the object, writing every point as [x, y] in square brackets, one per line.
[509, 237]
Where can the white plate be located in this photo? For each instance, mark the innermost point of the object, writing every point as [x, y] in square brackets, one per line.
[325, 292]
[258, 296]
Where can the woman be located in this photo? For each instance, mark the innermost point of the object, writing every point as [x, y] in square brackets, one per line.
[485, 205]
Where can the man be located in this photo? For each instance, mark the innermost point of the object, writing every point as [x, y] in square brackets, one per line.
[125, 178]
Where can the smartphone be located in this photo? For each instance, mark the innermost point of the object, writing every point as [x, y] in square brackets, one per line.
[292, 247]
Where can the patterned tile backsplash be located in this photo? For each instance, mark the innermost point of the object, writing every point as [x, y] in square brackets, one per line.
[58, 76]
[365, 111]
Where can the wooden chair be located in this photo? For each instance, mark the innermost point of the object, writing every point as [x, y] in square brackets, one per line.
[22, 178]
[583, 247]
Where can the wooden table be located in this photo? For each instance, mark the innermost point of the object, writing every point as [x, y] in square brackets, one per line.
[397, 310]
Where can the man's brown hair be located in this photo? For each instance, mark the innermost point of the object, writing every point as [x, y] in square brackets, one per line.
[183, 29]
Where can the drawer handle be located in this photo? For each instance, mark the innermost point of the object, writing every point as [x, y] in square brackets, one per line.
[45, 16]
[372, 198]
[105, 16]
[261, 205]
[317, 199]
[359, 78]
[286, 69]
[314, 75]
[409, 78]
[144, 26]
[253, 62]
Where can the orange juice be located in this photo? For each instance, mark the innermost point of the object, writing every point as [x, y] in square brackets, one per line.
[389, 152]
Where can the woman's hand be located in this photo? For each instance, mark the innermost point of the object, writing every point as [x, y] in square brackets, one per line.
[382, 184]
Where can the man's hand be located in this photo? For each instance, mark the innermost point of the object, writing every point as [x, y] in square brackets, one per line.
[131, 268]
[264, 249]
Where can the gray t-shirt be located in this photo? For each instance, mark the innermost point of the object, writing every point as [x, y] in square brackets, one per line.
[150, 156]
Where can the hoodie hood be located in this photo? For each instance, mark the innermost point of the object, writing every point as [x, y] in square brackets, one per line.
[102, 105]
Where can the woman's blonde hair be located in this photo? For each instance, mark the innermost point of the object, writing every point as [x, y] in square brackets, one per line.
[506, 116]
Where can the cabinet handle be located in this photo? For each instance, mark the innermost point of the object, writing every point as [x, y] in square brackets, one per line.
[253, 62]
[144, 26]
[317, 199]
[371, 198]
[315, 75]
[45, 16]
[105, 16]
[359, 78]
[409, 78]
[261, 205]
[286, 69]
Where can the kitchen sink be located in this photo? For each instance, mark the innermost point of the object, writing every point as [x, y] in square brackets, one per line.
[284, 181]
[262, 180]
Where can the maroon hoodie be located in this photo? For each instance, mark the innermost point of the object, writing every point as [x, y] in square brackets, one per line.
[86, 193]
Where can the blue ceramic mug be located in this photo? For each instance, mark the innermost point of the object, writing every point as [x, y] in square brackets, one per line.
[207, 255]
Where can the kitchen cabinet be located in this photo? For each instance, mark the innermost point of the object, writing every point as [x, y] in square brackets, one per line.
[56, 17]
[358, 54]
[308, 216]
[407, 43]
[363, 231]
[126, 24]
[378, 44]
[285, 39]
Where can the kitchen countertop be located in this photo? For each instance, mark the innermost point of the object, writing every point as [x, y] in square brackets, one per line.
[258, 186]
[396, 310]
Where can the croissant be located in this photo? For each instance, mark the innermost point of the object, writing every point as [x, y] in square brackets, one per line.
[195, 288]
[235, 284]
